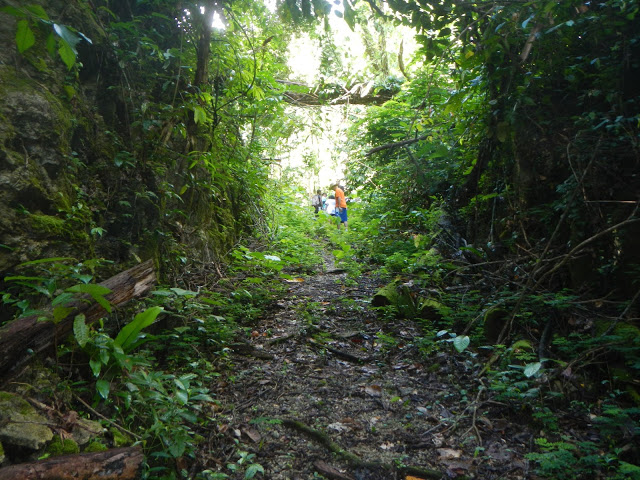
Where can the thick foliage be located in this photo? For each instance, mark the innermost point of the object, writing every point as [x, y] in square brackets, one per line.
[523, 126]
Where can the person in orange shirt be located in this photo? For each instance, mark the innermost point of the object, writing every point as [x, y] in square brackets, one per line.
[341, 205]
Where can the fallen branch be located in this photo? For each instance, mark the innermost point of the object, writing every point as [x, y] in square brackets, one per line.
[115, 464]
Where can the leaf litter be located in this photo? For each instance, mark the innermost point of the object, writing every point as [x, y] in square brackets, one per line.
[365, 409]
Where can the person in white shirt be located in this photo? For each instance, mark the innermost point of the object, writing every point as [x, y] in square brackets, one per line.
[331, 206]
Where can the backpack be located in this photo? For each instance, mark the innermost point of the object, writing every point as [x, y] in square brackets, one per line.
[316, 201]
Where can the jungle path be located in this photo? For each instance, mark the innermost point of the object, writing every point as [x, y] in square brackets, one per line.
[326, 389]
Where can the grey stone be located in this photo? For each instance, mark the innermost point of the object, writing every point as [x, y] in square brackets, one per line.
[86, 430]
[21, 425]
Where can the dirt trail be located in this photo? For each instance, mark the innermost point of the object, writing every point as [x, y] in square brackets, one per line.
[328, 390]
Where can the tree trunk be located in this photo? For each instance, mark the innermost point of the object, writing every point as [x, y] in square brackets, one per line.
[116, 464]
[23, 338]
[203, 49]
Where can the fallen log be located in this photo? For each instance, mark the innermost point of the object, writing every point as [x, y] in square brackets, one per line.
[115, 464]
[23, 338]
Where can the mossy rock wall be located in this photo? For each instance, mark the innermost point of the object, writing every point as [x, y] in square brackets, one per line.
[75, 179]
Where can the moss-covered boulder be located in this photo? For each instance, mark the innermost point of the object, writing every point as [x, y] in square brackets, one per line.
[22, 427]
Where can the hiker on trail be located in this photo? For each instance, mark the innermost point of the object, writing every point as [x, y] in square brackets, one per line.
[324, 201]
[316, 201]
[341, 206]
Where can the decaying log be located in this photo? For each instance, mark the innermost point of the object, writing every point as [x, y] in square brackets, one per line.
[21, 339]
[115, 464]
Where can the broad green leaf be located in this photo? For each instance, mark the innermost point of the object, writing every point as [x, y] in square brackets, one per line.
[38, 11]
[630, 469]
[87, 39]
[103, 388]
[80, 330]
[67, 36]
[253, 469]
[188, 416]
[159, 15]
[461, 343]
[97, 292]
[181, 292]
[46, 260]
[349, 14]
[13, 11]
[91, 289]
[84, 278]
[199, 115]
[60, 313]
[129, 333]
[531, 369]
[22, 278]
[51, 44]
[526, 22]
[124, 360]
[521, 344]
[24, 36]
[203, 397]
[182, 396]
[96, 366]
[162, 293]
[256, 92]
[62, 299]
[70, 91]
[177, 449]
[67, 54]
[104, 356]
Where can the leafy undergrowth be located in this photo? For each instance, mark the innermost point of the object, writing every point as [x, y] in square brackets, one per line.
[283, 368]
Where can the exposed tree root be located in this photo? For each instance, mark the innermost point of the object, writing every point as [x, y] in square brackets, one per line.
[344, 355]
[352, 459]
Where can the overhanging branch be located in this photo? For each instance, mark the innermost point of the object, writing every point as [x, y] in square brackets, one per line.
[403, 143]
[312, 98]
